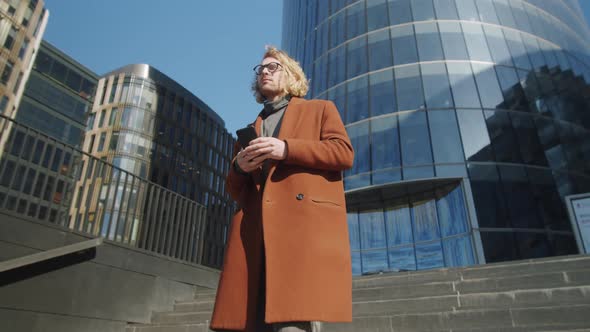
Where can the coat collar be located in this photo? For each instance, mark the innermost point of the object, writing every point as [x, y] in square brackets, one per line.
[289, 119]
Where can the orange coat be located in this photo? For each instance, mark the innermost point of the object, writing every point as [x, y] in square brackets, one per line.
[300, 223]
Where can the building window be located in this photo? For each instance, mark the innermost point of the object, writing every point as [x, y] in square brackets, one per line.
[101, 118]
[9, 42]
[101, 140]
[113, 116]
[3, 104]
[114, 141]
[23, 49]
[91, 145]
[90, 121]
[7, 72]
[18, 81]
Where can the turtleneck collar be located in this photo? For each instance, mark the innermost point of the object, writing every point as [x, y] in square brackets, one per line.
[271, 107]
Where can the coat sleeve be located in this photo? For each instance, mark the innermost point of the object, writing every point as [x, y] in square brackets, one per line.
[332, 152]
[235, 182]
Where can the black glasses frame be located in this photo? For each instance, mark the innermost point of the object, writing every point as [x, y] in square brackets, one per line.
[260, 68]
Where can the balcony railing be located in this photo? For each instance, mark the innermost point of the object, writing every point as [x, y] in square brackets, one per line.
[43, 179]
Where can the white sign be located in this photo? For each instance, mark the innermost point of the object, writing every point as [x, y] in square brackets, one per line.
[580, 211]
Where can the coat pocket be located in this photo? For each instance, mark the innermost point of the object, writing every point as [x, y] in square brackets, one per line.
[325, 202]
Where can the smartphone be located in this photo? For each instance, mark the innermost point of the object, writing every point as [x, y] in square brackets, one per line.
[245, 135]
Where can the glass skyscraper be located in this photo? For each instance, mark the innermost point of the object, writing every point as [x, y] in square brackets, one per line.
[470, 120]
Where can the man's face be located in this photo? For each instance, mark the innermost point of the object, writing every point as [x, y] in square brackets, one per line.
[270, 80]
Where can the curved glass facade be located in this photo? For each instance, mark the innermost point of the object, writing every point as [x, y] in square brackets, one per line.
[145, 123]
[486, 100]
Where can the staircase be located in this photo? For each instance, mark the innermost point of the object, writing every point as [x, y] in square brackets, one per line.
[550, 294]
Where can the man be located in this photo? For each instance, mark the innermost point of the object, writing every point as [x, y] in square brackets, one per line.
[287, 262]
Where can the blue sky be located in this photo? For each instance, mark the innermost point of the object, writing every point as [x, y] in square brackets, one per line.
[209, 47]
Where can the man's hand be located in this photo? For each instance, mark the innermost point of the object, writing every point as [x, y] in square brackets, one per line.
[258, 151]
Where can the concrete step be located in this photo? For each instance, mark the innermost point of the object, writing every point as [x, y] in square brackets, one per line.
[173, 317]
[529, 297]
[505, 269]
[506, 299]
[529, 267]
[399, 306]
[197, 327]
[403, 291]
[209, 294]
[195, 305]
[525, 281]
[406, 278]
[551, 318]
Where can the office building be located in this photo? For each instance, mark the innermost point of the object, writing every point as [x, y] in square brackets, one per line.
[470, 121]
[58, 96]
[147, 124]
[22, 24]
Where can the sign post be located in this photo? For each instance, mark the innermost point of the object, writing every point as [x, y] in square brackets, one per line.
[578, 208]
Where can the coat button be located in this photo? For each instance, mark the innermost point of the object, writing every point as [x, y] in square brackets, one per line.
[299, 197]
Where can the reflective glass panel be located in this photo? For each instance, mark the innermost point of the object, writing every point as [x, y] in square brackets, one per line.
[446, 9]
[474, 134]
[504, 13]
[429, 256]
[463, 86]
[372, 229]
[451, 210]
[385, 143]
[424, 220]
[399, 11]
[356, 24]
[337, 67]
[422, 10]
[382, 93]
[486, 10]
[453, 41]
[356, 263]
[446, 142]
[337, 29]
[498, 47]
[532, 47]
[374, 261]
[517, 49]
[487, 84]
[458, 251]
[353, 230]
[415, 139]
[379, 50]
[502, 137]
[399, 225]
[377, 14]
[359, 137]
[409, 88]
[488, 196]
[475, 41]
[356, 57]
[404, 45]
[436, 85]
[357, 108]
[429, 44]
[519, 198]
[467, 10]
[402, 259]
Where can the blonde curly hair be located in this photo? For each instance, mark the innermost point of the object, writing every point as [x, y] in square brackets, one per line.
[297, 85]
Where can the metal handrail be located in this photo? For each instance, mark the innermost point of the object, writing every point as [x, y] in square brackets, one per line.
[46, 180]
[15, 263]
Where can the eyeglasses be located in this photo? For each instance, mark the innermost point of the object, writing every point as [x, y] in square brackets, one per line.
[271, 66]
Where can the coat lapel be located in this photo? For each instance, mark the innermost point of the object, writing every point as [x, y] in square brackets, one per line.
[290, 118]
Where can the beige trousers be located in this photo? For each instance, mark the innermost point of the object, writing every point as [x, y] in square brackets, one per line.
[297, 327]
